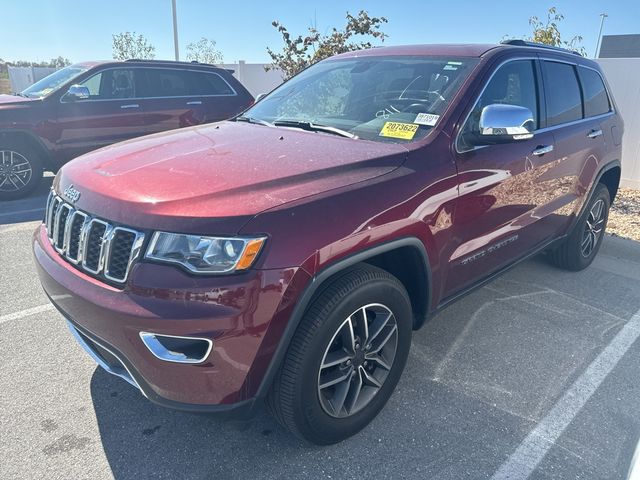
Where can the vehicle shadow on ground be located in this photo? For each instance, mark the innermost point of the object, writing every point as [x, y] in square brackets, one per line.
[27, 209]
[479, 377]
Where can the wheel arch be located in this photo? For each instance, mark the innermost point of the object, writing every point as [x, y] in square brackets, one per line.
[404, 250]
[32, 140]
[610, 177]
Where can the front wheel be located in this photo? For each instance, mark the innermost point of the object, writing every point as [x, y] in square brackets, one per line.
[581, 246]
[346, 357]
[20, 169]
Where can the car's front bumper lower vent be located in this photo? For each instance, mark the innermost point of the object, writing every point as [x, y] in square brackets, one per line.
[94, 245]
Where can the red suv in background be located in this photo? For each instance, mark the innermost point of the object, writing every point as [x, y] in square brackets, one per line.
[288, 255]
[89, 105]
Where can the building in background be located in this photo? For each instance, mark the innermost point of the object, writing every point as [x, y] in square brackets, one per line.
[620, 46]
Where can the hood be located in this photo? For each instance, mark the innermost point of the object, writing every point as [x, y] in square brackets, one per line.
[204, 175]
[4, 99]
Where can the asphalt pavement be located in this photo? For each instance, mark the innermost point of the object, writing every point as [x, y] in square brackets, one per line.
[534, 375]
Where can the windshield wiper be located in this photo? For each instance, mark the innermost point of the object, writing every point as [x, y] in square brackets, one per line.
[257, 121]
[313, 127]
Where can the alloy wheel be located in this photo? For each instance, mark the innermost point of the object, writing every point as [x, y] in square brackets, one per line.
[593, 228]
[357, 360]
[15, 171]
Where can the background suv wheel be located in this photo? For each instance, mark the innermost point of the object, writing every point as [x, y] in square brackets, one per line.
[345, 358]
[20, 169]
[579, 249]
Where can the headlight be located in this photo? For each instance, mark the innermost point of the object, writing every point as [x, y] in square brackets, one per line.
[204, 254]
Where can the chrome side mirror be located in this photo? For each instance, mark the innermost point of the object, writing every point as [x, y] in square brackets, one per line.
[77, 92]
[501, 123]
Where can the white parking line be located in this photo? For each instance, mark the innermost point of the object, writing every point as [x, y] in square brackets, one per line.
[6, 214]
[541, 439]
[26, 313]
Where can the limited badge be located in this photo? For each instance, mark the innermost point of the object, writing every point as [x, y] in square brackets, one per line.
[405, 131]
[426, 119]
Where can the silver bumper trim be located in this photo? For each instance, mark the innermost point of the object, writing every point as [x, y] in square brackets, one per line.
[123, 372]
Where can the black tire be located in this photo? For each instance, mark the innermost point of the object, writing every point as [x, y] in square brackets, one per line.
[295, 396]
[18, 155]
[570, 254]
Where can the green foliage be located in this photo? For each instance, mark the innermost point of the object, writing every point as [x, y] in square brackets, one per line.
[53, 63]
[204, 51]
[300, 52]
[548, 32]
[129, 45]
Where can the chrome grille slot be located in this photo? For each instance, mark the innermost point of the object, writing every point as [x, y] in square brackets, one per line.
[124, 244]
[92, 244]
[60, 226]
[53, 209]
[97, 232]
[73, 235]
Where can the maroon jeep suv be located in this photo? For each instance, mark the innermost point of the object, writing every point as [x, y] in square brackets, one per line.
[288, 254]
[89, 105]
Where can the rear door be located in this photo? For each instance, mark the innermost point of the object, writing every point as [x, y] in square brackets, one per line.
[578, 136]
[111, 114]
[504, 189]
[217, 98]
[176, 98]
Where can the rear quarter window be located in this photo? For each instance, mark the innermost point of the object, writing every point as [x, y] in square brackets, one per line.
[596, 100]
[208, 83]
[562, 91]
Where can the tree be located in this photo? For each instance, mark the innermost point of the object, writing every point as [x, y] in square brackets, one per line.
[204, 51]
[128, 45]
[59, 62]
[300, 52]
[549, 33]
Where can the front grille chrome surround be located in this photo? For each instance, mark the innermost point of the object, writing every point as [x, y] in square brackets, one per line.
[92, 244]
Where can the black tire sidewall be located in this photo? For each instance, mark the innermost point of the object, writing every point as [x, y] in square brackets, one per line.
[315, 424]
[576, 257]
[33, 157]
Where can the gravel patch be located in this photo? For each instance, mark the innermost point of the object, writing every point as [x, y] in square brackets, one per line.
[624, 216]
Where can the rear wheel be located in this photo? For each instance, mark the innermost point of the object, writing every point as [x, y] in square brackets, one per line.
[581, 246]
[20, 169]
[345, 358]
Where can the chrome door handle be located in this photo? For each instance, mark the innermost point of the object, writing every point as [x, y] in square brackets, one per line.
[131, 105]
[594, 133]
[195, 102]
[543, 149]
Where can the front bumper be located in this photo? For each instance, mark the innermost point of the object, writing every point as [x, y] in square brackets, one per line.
[243, 315]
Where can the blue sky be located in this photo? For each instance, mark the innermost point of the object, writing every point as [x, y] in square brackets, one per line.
[42, 29]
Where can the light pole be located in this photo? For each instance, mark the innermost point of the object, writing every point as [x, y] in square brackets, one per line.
[175, 30]
[603, 16]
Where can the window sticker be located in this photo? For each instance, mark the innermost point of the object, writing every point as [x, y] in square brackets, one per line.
[450, 67]
[405, 131]
[426, 119]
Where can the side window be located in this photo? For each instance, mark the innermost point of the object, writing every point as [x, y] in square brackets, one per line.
[111, 84]
[93, 84]
[164, 82]
[562, 92]
[596, 101]
[205, 83]
[512, 84]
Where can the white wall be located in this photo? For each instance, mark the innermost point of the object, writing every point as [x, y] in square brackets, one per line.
[623, 75]
[23, 77]
[254, 77]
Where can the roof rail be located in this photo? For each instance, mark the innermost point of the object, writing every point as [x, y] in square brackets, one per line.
[524, 43]
[147, 60]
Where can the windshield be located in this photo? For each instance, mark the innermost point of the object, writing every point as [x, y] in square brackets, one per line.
[385, 98]
[52, 82]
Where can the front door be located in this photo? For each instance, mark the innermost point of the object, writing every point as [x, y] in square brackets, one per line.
[111, 114]
[504, 189]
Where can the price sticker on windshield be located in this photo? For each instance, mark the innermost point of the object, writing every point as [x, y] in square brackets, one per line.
[405, 131]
